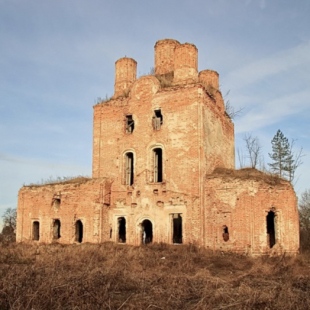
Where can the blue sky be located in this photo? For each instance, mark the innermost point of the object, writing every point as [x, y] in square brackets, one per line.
[57, 57]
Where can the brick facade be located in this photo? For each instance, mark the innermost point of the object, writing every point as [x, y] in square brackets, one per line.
[163, 171]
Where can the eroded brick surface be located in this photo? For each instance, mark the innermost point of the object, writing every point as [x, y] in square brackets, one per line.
[163, 171]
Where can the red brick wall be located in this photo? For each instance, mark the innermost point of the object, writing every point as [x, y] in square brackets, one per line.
[196, 136]
[78, 201]
[241, 200]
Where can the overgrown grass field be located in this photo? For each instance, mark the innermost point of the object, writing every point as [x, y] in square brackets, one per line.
[158, 276]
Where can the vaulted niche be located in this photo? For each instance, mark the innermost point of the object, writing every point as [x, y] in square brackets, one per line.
[271, 232]
[128, 168]
[147, 232]
[158, 165]
[78, 231]
[121, 223]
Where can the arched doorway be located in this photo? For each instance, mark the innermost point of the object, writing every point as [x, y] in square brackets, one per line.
[79, 231]
[147, 231]
[270, 219]
[121, 222]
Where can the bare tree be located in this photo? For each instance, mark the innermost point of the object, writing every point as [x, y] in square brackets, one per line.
[253, 149]
[9, 218]
[230, 110]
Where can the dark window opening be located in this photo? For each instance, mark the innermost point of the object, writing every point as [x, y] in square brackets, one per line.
[157, 120]
[129, 124]
[147, 232]
[35, 230]
[110, 233]
[78, 231]
[177, 228]
[225, 233]
[158, 165]
[56, 229]
[271, 229]
[129, 163]
[121, 230]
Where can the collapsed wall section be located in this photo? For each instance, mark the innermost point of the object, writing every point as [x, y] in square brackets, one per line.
[251, 212]
[68, 212]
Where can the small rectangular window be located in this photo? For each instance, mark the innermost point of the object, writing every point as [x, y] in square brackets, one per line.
[157, 119]
[158, 165]
[129, 124]
[129, 168]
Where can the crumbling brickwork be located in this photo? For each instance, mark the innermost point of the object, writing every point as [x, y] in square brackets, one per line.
[158, 146]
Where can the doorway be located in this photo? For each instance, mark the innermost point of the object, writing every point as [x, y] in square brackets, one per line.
[177, 228]
[121, 222]
[56, 229]
[270, 219]
[147, 232]
[79, 231]
[36, 231]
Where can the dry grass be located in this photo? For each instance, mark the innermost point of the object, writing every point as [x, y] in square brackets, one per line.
[248, 174]
[111, 276]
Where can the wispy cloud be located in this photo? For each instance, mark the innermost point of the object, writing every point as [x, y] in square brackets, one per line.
[273, 111]
[280, 62]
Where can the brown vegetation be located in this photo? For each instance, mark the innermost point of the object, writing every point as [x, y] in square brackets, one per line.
[247, 174]
[111, 276]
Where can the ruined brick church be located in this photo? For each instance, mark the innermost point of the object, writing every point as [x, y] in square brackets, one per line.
[163, 171]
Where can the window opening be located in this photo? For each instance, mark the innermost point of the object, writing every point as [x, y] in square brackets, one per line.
[36, 230]
[177, 228]
[56, 229]
[270, 219]
[129, 124]
[147, 232]
[225, 233]
[79, 231]
[56, 202]
[129, 163]
[121, 229]
[158, 165]
[157, 119]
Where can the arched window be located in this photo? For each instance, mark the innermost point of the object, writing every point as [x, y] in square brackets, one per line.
[225, 233]
[129, 168]
[79, 231]
[157, 165]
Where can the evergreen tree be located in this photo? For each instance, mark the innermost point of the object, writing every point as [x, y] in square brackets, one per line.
[282, 157]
